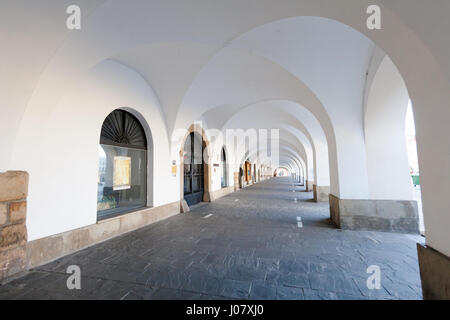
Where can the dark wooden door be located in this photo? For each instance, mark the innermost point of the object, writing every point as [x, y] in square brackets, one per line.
[193, 169]
[223, 180]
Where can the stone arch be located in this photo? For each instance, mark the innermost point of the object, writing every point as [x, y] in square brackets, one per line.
[206, 158]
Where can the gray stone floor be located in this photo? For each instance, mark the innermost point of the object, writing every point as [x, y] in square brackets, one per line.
[250, 248]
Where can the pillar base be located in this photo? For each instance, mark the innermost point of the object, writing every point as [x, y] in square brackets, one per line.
[184, 207]
[236, 181]
[321, 193]
[309, 185]
[208, 196]
[214, 195]
[434, 273]
[376, 215]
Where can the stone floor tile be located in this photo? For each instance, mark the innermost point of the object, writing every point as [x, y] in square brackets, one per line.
[236, 289]
[290, 293]
[262, 290]
[249, 248]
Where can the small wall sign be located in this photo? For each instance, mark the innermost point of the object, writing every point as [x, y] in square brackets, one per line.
[174, 168]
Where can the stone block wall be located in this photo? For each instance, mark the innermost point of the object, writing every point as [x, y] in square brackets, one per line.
[13, 230]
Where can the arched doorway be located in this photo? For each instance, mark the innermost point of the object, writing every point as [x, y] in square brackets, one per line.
[241, 177]
[193, 169]
[247, 172]
[122, 175]
[223, 163]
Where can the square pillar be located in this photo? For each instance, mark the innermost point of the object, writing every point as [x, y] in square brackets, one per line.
[13, 230]
[434, 273]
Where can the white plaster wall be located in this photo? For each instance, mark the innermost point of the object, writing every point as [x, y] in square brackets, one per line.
[30, 32]
[61, 153]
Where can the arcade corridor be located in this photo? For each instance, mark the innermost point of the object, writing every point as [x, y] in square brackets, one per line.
[267, 241]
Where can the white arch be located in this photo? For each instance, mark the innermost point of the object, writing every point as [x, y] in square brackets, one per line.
[420, 56]
[387, 157]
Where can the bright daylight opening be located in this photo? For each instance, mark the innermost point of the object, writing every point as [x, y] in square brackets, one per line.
[411, 145]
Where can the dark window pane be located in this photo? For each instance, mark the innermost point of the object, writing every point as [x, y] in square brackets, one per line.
[123, 129]
[122, 180]
[196, 186]
[187, 184]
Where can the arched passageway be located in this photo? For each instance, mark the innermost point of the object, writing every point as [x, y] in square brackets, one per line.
[331, 92]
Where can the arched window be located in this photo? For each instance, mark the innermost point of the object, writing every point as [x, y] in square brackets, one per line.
[122, 176]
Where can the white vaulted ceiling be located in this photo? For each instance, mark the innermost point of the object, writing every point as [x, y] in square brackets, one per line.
[195, 55]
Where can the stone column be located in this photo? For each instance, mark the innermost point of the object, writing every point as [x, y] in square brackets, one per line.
[236, 181]
[13, 231]
[207, 194]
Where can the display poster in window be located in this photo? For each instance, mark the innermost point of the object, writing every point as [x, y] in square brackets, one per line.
[174, 168]
[122, 173]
